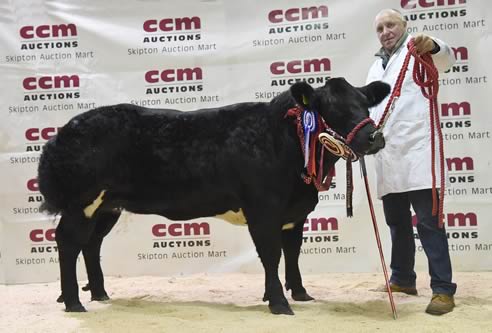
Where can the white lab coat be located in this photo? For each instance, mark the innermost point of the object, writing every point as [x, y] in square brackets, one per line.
[405, 162]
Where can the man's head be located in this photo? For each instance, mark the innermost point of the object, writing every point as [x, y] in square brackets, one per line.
[390, 26]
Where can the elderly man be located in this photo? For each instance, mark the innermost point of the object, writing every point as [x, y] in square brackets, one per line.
[403, 167]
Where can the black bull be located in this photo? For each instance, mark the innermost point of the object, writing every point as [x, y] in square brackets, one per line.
[244, 159]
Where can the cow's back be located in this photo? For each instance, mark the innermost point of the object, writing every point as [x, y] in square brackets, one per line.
[132, 149]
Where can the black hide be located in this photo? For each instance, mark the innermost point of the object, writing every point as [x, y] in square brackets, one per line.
[184, 165]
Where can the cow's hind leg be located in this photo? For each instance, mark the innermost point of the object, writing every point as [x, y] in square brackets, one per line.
[291, 245]
[92, 253]
[104, 222]
[73, 231]
[267, 239]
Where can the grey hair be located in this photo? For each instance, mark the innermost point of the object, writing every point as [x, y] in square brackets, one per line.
[393, 11]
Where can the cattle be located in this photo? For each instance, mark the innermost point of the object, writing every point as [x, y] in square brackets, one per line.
[242, 162]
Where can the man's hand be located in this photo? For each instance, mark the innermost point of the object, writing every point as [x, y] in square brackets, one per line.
[423, 44]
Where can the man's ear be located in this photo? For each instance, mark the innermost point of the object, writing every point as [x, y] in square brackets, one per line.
[375, 92]
[302, 93]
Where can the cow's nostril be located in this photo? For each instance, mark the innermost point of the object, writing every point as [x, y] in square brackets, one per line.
[377, 140]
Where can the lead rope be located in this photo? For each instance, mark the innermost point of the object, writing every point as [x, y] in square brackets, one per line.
[426, 77]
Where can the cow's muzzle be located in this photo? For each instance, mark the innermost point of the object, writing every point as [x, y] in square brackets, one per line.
[376, 140]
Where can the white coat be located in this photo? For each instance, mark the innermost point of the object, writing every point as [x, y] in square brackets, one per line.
[404, 164]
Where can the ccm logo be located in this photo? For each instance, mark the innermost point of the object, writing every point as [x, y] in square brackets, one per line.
[297, 14]
[172, 24]
[47, 31]
[32, 185]
[455, 109]
[300, 66]
[459, 164]
[412, 4]
[37, 134]
[460, 53]
[50, 82]
[40, 235]
[181, 229]
[172, 75]
[321, 224]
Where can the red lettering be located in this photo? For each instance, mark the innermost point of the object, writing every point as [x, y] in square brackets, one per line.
[292, 14]
[321, 224]
[275, 16]
[150, 26]
[32, 134]
[276, 68]
[460, 53]
[50, 82]
[294, 67]
[45, 82]
[50, 235]
[167, 75]
[159, 230]
[43, 31]
[166, 25]
[152, 76]
[172, 75]
[412, 4]
[36, 235]
[29, 83]
[301, 66]
[39, 235]
[461, 109]
[46, 31]
[32, 185]
[458, 163]
[171, 24]
[174, 229]
[48, 132]
[189, 74]
[297, 14]
[314, 12]
[462, 220]
[27, 32]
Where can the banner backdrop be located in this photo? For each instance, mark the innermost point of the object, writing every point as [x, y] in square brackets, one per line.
[60, 58]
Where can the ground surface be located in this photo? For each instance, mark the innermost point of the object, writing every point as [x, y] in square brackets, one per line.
[232, 303]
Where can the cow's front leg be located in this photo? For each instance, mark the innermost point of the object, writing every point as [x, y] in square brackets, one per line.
[92, 255]
[267, 239]
[291, 245]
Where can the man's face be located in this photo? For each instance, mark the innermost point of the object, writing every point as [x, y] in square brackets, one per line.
[389, 29]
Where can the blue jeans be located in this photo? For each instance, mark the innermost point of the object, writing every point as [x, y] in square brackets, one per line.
[433, 239]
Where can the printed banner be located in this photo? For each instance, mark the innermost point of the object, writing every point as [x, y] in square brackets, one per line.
[61, 58]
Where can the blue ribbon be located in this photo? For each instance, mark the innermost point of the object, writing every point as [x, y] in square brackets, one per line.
[309, 122]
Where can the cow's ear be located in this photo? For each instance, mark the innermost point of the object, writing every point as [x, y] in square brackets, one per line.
[375, 92]
[302, 93]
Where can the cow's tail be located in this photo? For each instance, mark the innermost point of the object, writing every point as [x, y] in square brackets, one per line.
[50, 186]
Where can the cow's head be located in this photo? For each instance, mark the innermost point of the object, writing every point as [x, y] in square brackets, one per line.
[343, 107]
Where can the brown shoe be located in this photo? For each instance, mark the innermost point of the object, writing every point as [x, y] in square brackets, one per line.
[440, 304]
[398, 289]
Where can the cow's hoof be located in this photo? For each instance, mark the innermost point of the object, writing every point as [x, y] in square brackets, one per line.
[86, 287]
[302, 297]
[60, 299]
[75, 308]
[100, 298]
[281, 309]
